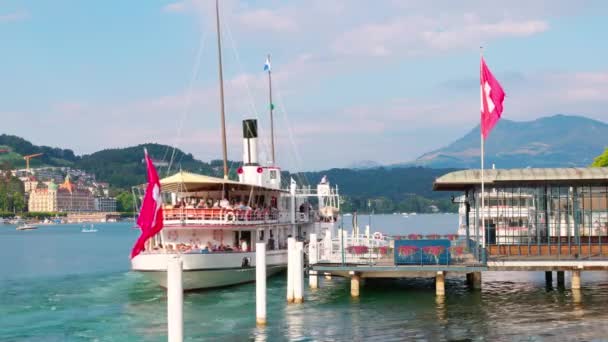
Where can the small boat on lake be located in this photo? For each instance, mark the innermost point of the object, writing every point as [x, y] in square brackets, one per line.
[26, 226]
[91, 229]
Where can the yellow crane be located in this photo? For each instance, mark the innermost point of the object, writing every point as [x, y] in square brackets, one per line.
[27, 159]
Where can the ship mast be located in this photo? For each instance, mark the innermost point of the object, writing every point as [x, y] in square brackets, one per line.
[219, 54]
[271, 107]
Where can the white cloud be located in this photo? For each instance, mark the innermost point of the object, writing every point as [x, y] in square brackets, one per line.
[413, 36]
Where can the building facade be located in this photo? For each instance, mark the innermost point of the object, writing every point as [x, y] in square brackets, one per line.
[560, 211]
[63, 198]
[105, 204]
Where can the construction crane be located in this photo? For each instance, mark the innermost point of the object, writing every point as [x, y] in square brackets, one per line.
[27, 159]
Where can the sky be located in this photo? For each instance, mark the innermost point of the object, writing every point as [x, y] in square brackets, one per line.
[352, 80]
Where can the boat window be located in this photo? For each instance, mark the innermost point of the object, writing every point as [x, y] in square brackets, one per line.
[273, 174]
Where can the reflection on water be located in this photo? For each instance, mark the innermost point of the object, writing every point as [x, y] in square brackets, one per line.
[108, 303]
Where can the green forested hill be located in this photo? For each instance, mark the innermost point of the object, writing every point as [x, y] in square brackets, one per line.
[407, 189]
[124, 167]
[18, 147]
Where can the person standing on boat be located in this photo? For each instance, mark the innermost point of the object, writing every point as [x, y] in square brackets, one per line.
[244, 245]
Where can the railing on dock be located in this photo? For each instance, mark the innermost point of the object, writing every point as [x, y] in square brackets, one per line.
[399, 250]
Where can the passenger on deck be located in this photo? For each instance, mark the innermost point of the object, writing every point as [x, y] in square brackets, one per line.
[244, 247]
[216, 204]
[224, 203]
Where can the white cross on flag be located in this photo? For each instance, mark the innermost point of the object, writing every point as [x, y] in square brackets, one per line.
[492, 97]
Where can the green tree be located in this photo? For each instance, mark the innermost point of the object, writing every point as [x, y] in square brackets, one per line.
[601, 160]
[124, 202]
[18, 202]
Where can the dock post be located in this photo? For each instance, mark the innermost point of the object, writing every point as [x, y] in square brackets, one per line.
[291, 246]
[355, 281]
[260, 284]
[440, 283]
[298, 279]
[560, 279]
[313, 281]
[175, 300]
[476, 280]
[549, 278]
[576, 279]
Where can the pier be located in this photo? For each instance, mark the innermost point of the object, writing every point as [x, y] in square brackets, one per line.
[537, 220]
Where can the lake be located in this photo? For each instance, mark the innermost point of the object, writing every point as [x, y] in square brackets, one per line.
[59, 284]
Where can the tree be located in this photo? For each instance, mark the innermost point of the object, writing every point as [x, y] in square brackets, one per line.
[18, 202]
[124, 202]
[601, 160]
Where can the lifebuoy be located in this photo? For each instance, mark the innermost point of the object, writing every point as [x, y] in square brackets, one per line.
[377, 236]
[229, 217]
[173, 235]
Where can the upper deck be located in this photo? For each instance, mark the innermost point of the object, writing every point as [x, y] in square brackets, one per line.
[213, 217]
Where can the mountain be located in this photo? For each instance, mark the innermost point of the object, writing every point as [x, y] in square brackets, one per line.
[386, 189]
[13, 148]
[555, 141]
[121, 167]
[125, 167]
[363, 164]
[402, 189]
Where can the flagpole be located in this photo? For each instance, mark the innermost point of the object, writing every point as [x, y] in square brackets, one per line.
[223, 119]
[483, 212]
[271, 109]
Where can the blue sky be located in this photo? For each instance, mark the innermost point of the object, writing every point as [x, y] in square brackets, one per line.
[354, 80]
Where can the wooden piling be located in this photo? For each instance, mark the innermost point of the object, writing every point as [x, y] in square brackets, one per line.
[576, 279]
[260, 283]
[313, 280]
[175, 300]
[560, 278]
[291, 246]
[440, 283]
[354, 285]
[298, 279]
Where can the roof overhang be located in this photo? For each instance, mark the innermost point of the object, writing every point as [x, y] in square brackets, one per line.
[191, 182]
[467, 179]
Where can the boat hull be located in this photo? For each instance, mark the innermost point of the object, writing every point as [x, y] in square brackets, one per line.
[207, 279]
[203, 271]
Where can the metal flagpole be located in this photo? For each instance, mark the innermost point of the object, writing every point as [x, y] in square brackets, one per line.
[483, 212]
[271, 109]
[221, 75]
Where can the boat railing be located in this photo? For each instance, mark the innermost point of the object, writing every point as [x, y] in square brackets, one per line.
[226, 216]
[388, 251]
[357, 249]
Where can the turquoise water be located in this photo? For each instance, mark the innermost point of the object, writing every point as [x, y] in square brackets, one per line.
[58, 284]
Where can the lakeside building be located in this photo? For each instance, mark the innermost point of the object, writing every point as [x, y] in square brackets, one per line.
[552, 212]
[105, 204]
[61, 198]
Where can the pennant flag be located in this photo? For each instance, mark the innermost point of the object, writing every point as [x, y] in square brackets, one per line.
[492, 97]
[272, 106]
[267, 64]
[150, 218]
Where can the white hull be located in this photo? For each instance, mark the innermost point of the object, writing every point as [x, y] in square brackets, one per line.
[206, 279]
[202, 271]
